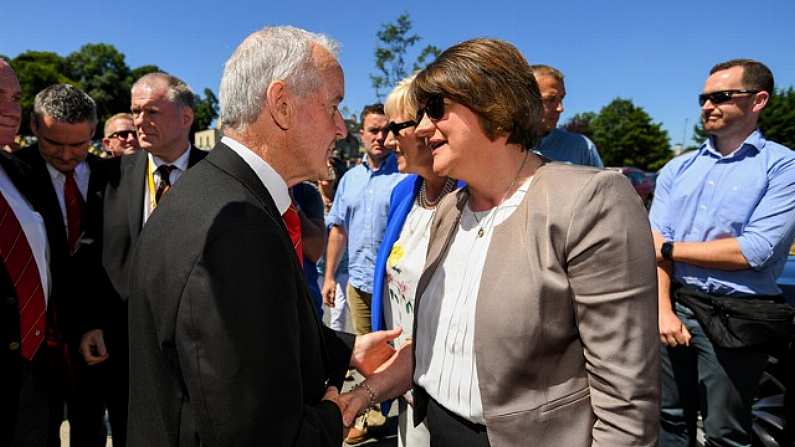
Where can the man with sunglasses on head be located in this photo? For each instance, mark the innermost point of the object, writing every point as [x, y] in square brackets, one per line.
[560, 144]
[120, 136]
[723, 219]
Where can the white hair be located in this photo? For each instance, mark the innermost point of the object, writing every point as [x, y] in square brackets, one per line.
[270, 54]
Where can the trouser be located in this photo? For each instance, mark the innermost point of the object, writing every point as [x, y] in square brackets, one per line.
[33, 417]
[339, 313]
[450, 430]
[359, 304]
[718, 382]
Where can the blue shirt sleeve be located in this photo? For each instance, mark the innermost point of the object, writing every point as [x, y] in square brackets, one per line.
[660, 203]
[770, 228]
[593, 154]
[336, 215]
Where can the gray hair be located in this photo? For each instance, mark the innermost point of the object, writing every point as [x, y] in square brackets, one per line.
[270, 54]
[177, 90]
[65, 103]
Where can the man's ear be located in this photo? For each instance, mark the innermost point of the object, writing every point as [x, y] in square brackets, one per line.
[760, 101]
[187, 117]
[279, 102]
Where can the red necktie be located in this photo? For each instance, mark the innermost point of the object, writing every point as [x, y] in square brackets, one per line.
[23, 272]
[293, 223]
[74, 211]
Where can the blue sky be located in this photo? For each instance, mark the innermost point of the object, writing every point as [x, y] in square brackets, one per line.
[655, 53]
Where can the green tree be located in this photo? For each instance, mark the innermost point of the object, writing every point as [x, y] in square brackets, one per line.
[137, 73]
[102, 73]
[205, 110]
[777, 120]
[394, 42]
[626, 136]
[581, 123]
[37, 70]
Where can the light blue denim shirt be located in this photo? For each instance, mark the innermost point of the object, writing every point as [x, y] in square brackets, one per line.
[748, 194]
[360, 208]
[568, 147]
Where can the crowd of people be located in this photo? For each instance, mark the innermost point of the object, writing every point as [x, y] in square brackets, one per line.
[502, 287]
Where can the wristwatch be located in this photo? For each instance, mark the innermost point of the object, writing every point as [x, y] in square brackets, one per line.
[667, 250]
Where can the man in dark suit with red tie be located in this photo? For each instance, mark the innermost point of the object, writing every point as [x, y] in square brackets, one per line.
[27, 287]
[70, 183]
[162, 110]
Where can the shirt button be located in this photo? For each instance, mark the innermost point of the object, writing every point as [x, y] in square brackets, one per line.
[37, 333]
[711, 183]
[13, 346]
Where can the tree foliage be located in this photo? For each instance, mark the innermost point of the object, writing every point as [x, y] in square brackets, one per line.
[391, 55]
[581, 123]
[101, 71]
[626, 136]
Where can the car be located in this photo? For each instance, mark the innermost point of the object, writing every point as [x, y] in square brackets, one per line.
[643, 182]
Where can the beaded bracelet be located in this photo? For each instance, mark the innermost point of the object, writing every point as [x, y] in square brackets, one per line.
[370, 395]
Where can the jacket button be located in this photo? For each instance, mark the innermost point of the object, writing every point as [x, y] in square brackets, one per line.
[13, 346]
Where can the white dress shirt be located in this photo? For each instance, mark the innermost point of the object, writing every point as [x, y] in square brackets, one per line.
[33, 226]
[271, 179]
[180, 165]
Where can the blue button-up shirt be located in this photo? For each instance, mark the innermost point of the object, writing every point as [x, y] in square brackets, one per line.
[360, 208]
[748, 194]
[568, 147]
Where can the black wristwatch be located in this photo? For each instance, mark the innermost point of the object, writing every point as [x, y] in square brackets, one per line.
[667, 250]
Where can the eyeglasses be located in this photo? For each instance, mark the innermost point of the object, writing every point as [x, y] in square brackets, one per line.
[723, 96]
[434, 107]
[123, 134]
[395, 128]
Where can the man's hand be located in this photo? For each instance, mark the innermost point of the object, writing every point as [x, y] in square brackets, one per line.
[373, 349]
[92, 347]
[672, 332]
[329, 292]
[355, 403]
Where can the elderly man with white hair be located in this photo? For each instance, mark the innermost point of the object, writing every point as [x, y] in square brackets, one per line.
[225, 346]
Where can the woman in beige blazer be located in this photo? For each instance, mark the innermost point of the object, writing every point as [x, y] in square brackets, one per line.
[536, 314]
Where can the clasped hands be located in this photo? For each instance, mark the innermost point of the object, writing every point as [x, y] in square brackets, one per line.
[387, 372]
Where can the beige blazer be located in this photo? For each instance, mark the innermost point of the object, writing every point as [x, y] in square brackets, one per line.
[566, 341]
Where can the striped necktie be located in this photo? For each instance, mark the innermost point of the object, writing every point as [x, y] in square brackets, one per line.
[24, 274]
[74, 211]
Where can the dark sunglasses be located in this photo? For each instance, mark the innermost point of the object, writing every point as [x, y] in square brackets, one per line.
[123, 134]
[434, 107]
[722, 96]
[395, 128]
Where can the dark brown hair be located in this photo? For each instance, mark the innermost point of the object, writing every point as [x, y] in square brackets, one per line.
[756, 75]
[372, 109]
[492, 78]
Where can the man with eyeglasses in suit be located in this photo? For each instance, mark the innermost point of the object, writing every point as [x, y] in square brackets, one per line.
[723, 219]
[120, 136]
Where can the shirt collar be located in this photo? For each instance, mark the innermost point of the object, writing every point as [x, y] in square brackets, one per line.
[180, 163]
[754, 141]
[271, 179]
[81, 171]
[388, 166]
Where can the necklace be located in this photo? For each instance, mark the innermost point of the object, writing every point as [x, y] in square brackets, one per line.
[491, 216]
[422, 197]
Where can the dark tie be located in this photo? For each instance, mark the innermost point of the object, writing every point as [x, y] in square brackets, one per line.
[24, 274]
[74, 211]
[164, 172]
[293, 223]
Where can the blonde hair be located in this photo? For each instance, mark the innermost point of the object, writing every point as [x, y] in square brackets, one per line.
[400, 102]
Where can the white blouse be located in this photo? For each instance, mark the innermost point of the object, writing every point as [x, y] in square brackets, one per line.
[445, 362]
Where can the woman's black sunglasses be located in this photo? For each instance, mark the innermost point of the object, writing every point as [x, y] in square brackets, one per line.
[722, 96]
[434, 107]
[397, 127]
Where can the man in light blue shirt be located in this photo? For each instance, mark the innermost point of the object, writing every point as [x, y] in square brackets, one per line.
[358, 218]
[558, 144]
[723, 219]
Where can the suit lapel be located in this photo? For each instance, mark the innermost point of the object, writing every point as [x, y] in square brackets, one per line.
[135, 176]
